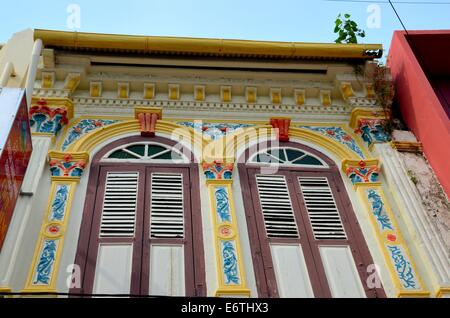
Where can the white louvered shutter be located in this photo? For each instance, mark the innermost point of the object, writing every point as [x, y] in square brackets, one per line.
[322, 210]
[167, 217]
[276, 206]
[119, 204]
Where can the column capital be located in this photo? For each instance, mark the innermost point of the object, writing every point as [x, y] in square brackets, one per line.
[218, 170]
[361, 171]
[67, 164]
[49, 115]
[369, 123]
[281, 124]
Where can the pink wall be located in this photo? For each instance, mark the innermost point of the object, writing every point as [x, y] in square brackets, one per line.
[420, 107]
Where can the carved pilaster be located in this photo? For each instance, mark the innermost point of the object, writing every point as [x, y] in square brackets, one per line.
[66, 170]
[231, 273]
[49, 115]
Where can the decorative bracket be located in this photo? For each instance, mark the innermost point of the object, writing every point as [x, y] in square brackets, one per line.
[68, 165]
[369, 123]
[48, 115]
[218, 170]
[148, 116]
[230, 267]
[362, 171]
[281, 124]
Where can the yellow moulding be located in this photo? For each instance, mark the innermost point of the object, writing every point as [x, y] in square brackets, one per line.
[225, 147]
[392, 238]
[443, 292]
[52, 229]
[226, 231]
[205, 46]
[89, 141]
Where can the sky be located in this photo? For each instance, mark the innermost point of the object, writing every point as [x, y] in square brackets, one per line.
[274, 20]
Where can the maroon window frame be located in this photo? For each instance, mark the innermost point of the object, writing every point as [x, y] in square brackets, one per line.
[89, 240]
[259, 241]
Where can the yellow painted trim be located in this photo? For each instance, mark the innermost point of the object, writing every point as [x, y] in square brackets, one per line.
[336, 148]
[89, 141]
[40, 134]
[235, 292]
[443, 291]
[51, 287]
[218, 182]
[223, 289]
[406, 294]
[382, 240]
[197, 46]
[4, 289]
[355, 163]
[59, 155]
[150, 110]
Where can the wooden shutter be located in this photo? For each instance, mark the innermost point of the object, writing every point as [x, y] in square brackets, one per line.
[119, 204]
[276, 206]
[322, 210]
[167, 205]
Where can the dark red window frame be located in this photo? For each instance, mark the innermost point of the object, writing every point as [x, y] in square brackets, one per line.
[88, 240]
[259, 242]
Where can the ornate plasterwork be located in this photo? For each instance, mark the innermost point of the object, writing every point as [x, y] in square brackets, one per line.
[362, 171]
[116, 105]
[392, 242]
[218, 170]
[369, 123]
[51, 93]
[67, 164]
[372, 130]
[338, 134]
[49, 116]
[214, 130]
[83, 127]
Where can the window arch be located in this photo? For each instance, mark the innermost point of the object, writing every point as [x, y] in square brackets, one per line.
[287, 156]
[151, 152]
[304, 236]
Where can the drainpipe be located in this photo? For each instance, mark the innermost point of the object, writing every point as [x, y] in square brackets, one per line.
[32, 68]
[8, 71]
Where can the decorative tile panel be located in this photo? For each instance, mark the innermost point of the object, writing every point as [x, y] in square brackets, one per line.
[230, 264]
[58, 207]
[222, 204]
[338, 134]
[83, 127]
[214, 130]
[45, 265]
[47, 119]
[403, 267]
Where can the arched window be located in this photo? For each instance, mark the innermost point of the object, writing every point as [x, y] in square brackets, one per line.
[304, 235]
[141, 230]
[287, 156]
[145, 152]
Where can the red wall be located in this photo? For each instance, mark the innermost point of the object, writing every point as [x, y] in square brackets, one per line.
[420, 107]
